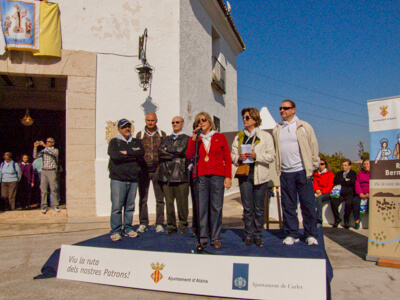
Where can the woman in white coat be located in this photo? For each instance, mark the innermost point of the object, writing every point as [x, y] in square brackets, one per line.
[254, 147]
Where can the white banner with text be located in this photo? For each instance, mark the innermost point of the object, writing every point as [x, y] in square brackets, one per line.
[201, 274]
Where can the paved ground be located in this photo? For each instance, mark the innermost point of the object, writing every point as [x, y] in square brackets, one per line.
[27, 239]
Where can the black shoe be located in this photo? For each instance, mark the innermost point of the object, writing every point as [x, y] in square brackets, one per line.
[346, 225]
[171, 231]
[259, 243]
[248, 242]
[337, 222]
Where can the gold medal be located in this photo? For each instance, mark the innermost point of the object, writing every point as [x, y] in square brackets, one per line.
[206, 158]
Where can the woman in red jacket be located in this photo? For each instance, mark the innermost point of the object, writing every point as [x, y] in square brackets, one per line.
[323, 184]
[214, 175]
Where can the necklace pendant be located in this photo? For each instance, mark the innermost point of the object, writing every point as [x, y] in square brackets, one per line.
[206, 158]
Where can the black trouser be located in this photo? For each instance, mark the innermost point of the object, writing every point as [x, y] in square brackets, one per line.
[144, 184]
[348, 207]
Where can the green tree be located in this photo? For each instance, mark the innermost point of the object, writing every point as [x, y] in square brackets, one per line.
[335, 161]
[361, 151]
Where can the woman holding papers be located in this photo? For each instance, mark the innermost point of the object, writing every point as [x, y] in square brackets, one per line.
[214, 175]
[254, 147]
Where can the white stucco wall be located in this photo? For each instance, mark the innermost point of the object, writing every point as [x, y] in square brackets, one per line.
[196, 65]
[179, 46]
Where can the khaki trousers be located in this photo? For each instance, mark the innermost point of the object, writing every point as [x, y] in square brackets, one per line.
[49, 179]
[8, 192]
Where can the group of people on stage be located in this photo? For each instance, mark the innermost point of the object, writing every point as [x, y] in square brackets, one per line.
[166, 160]
[19, 180]
[353, 188]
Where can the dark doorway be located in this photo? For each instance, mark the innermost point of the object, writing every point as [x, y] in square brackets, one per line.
[45, 99]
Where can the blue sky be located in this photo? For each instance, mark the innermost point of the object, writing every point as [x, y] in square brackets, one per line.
[330, 57]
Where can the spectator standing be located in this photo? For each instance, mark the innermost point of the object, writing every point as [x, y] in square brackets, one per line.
[37, 165]
[173, 174]
[346, 179]
[126, 157]
[150, 137]
[27, 182]
[362, 190]
[253, 187]
[213, 174]
[48, 177]
[323, 184]
[297, 157]
[10, 175]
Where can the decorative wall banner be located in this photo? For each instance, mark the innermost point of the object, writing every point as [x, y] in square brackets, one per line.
[20, 24]
[384, 206]
[214, 275]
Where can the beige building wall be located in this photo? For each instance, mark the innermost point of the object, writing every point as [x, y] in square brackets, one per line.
[80, 69]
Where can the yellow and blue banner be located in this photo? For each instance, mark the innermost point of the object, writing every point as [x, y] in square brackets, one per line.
[20, 22]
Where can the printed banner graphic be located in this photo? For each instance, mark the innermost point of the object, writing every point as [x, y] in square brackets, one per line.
[212, 275]
[384, 201]
[20, 24]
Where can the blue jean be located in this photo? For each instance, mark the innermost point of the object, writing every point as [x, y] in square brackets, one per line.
[123, 195]
[253, 197]
[211, 198]
[320, 203]
[293, 184]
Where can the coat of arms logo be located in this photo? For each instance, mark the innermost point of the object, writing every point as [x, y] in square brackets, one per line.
[156, 275]
[384, 111]
[240, 282]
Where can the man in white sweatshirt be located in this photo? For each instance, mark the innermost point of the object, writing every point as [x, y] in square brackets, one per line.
[296, 158]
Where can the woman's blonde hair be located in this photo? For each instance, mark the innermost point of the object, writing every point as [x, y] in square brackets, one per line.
[208, 117]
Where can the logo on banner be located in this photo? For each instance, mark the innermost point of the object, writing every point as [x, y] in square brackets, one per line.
[240, 277]
[384, 111]
[156, 275]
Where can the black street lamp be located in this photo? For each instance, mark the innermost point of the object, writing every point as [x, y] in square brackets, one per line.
[144, 70]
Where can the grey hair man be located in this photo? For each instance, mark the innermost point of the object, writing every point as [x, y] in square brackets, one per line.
[49, 172]
[174, 175]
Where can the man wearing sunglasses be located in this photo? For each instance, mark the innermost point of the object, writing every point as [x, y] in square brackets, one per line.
[49, 172]
[173, 174]
[296, 158]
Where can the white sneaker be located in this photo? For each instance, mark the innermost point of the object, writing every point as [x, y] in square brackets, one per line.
[142, 228]
[290, 241]
[159, 228]
[131, 234]
[116, 237]
[311, 241]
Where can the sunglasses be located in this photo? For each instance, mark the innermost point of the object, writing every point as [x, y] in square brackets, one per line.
[203, 120]
[284, 108]
[177, 122]
[49, 141]
[246, 118]
[322, 164]
[125, 126]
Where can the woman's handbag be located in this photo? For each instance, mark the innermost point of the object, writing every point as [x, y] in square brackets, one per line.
[242, 170]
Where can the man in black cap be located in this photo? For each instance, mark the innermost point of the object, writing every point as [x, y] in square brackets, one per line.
[126, 155]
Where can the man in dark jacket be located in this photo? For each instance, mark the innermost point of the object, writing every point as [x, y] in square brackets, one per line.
[126, 155]
[173, 174]
[150, 138]
[347, 180]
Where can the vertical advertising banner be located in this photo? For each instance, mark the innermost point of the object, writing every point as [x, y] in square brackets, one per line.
[384, 201]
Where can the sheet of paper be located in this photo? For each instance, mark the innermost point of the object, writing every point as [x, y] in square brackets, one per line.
[246, 148]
